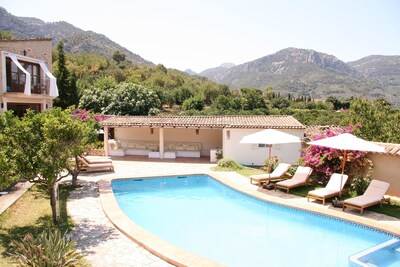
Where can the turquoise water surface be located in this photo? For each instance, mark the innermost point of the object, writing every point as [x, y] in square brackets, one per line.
[205, 217]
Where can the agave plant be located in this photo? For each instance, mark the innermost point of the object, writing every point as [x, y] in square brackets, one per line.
[50, 249]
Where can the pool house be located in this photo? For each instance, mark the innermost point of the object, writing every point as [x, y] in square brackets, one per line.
[199, 136]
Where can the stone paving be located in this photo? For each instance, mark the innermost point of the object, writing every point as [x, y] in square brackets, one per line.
[103, 245]
[7, 198]
[97, 239]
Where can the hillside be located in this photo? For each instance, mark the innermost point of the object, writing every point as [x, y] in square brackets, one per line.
[76, 41]
[373, 66]
[315, 74]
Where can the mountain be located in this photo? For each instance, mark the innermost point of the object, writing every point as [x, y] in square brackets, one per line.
[75, 40]
[190, 72]
[310, 73]
[382, 70]
[373, 66]
[214, 72]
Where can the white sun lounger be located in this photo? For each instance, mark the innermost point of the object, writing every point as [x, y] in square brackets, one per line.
[372, 196]
[331, 189]
[299, 178]
[278, 173]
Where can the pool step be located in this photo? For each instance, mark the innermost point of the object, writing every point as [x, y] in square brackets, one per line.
[384, 254]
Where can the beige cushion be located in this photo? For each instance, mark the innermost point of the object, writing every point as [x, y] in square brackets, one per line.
[152, 146]
[322, 192]
[140, 146]
[334, 181]
[279, 171]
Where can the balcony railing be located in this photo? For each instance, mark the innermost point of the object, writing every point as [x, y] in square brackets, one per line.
[40, 88]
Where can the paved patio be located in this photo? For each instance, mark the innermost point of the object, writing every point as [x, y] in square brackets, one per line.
[103, 245]
[100, 242]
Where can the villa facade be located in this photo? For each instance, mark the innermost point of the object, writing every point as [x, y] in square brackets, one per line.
[199, 136]
[26, 80]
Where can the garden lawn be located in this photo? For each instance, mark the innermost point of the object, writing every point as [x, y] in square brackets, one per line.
[30, 214]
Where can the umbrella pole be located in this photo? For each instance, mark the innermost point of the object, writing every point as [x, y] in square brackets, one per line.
[270, 150]
[343, 164]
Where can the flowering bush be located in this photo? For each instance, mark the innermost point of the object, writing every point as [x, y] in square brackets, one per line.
[325, 161]
[270, 164]
[85, 115]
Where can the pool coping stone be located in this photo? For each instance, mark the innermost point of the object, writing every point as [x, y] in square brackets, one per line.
[180, 257]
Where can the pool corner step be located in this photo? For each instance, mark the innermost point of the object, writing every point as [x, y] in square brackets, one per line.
[388, 251]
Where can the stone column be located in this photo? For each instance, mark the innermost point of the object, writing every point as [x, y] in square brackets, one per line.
[106, 140]
[161, 131]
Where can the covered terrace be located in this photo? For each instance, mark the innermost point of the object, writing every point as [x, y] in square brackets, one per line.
[197, 136]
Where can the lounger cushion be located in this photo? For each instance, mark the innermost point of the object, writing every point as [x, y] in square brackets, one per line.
[362, 201]
[376, 189]
[323, 192]
[292, 182]
[300, 177]
[279, 171]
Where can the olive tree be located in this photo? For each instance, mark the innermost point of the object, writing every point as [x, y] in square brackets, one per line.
[85, 125]
[42, 146]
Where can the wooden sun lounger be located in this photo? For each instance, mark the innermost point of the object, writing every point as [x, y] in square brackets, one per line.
[372, 196]
[331, 189]
[95, 166]
[278, 173]
[299, 178]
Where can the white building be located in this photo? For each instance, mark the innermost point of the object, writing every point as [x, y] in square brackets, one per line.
[199, 136]
[25, 77]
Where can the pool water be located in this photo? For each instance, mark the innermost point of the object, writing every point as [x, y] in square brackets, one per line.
[386, 254]
[205, 217]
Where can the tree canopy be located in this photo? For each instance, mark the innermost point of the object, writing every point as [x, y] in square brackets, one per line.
[98, 79]
[40, 147]
[377, 120]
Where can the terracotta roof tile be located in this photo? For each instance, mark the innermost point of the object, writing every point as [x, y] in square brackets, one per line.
[257, 122]
[392, 149]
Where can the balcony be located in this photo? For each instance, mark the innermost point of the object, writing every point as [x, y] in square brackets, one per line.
[41, 88]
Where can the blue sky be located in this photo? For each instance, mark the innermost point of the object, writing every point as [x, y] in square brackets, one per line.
[202, 34]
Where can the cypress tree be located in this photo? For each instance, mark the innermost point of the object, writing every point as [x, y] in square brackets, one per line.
[66, 82]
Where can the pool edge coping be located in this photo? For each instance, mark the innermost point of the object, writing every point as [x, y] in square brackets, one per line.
[180, 257]
[155, 245]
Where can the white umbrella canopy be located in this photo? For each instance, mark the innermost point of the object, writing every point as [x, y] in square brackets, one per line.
[269, 137]
[346, 142]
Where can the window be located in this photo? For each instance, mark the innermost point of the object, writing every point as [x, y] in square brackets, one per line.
[16, 77]
[20, 109]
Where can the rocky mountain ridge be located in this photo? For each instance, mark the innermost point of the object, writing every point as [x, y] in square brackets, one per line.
[311, 73]
[75, 40]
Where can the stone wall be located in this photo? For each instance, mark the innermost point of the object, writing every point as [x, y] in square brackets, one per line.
[35, 48]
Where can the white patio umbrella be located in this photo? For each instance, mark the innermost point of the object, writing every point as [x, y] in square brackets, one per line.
[269, 137]
[346, 142]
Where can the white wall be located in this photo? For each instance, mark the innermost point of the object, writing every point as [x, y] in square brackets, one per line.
[251, 154]
[209, 138]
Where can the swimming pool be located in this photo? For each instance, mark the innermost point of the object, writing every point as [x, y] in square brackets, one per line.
[205, 217]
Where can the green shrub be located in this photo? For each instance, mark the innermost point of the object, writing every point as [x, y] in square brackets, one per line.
[194, 103]
[97, 145]
[360, 184]
[270, 165]
[50, 249]
[229, 164]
